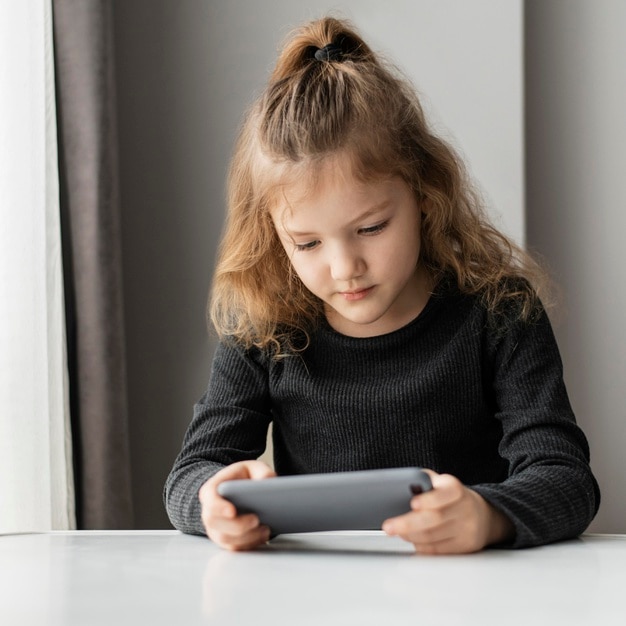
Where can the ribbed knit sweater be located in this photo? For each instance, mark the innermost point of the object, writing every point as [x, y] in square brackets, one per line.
[456, 390]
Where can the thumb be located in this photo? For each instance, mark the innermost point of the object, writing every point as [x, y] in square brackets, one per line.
[254, 470]
[258, 470]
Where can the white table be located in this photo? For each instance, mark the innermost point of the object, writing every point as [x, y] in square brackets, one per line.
[164, 577]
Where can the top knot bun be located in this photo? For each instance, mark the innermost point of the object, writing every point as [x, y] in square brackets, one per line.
[327, 39]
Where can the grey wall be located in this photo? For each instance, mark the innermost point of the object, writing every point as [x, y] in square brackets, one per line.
[170, 170]
[186, 70]
[576, 168]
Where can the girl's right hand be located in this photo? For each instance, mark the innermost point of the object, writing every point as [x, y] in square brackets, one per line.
[219, 516]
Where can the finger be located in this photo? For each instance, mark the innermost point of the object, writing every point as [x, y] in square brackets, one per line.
[215, 507]
[243, 470]
[431, 473]
[433, 548]
[233, 527]
[212, 504]
[431, 536]
[447, 490]
[425, 527]
[247, 541]
[450, 545]
[259, 470]
[422, 530]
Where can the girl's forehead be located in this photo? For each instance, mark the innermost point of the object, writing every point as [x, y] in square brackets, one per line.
[335, 200]
[305, 181]
[304, 201]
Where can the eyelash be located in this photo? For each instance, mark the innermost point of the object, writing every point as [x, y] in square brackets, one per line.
[374, 230]
[368, 232]
[304, 247]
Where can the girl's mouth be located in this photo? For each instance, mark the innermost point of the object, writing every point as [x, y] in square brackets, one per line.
[358, 294]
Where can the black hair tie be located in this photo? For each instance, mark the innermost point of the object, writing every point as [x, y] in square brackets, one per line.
[330, 52]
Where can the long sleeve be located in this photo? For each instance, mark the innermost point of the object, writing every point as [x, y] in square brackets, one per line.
[550, 493]
[450, 391]
[229, 424]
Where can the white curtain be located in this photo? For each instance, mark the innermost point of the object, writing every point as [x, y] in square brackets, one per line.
[36, 479]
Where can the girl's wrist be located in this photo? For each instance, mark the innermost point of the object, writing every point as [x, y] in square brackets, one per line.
[497, 527]
[501, 529]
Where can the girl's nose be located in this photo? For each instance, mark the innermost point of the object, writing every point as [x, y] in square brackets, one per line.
[346, 264]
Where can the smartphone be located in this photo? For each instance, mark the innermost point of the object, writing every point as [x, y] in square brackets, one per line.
[359, 500]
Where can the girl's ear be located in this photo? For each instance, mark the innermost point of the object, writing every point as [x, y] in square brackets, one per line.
[425, 205]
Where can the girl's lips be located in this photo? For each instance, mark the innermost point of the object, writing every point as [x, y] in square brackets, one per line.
[356, 295]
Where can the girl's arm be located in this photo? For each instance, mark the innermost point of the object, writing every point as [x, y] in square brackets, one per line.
[229, 425]
[551, 493]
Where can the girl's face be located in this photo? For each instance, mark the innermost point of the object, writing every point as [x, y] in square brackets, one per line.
[355, 246]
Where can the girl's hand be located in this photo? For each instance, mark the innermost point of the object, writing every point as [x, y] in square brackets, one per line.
[219, 516]
[450, 519]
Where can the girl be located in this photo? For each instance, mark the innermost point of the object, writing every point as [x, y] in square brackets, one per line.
[370, 312]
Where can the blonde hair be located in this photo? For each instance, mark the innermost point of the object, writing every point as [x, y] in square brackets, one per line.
[352, 102]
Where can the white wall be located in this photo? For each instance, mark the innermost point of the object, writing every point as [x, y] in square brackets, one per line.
[186, 71]
[576, 165]
[465, 59]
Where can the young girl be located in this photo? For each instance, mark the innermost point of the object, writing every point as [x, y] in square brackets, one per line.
[368, 310]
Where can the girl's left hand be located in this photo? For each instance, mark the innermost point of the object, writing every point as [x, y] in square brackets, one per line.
[450, 519]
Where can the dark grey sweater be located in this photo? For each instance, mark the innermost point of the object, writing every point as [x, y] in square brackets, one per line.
[455, 391]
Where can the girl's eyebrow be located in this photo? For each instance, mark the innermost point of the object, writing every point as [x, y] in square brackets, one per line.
[359, 218]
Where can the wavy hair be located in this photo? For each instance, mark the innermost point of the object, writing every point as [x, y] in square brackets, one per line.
[347, 100]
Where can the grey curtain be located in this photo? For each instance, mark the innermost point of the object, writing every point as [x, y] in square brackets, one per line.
[90, 218]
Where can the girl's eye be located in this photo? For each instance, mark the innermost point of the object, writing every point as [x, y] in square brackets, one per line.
[374, 230]
[303, 247]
